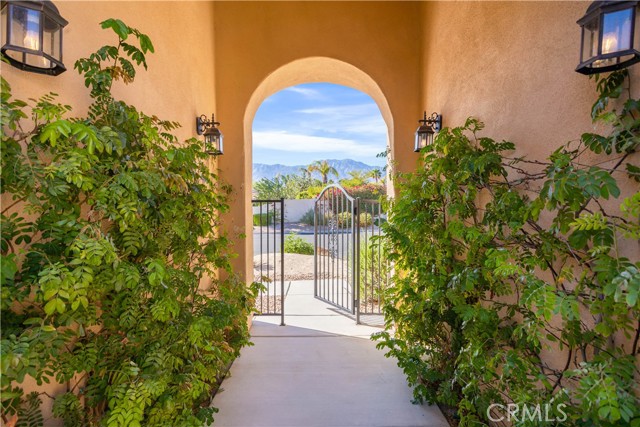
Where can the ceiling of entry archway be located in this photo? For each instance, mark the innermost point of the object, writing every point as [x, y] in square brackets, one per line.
[318, 121]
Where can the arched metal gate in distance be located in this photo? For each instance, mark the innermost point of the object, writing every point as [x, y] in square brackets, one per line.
[351, 269]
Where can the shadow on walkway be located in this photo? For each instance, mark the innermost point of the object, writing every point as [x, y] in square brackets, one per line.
[321, 370]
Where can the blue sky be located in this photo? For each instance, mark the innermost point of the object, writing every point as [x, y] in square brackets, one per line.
[318, 121]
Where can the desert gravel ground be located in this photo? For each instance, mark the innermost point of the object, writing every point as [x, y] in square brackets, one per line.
[296, 266]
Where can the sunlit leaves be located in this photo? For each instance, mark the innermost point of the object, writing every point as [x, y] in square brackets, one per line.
[492, 277]
[111, 230]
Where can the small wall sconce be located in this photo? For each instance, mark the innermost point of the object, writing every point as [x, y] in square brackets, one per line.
[428, 127]
[212, 135]
[32, 36]
[609, 37]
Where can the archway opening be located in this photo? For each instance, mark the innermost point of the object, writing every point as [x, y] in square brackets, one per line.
[311, 133]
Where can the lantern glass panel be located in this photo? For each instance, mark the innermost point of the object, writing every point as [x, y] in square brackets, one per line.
[590, 39]
[51, 38]
[213, 141]
[3, 24]
[423, 138]
[25, 28]
[37, 61]
[616, 31]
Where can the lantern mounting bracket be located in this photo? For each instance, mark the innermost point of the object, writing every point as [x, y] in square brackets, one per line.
[212, 135]
[429, 125]
[434, 121]
[203, 123]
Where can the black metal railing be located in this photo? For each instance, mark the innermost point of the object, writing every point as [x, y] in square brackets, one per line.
[268, 265]
[335, 243]
[374, 265]
[350, 262]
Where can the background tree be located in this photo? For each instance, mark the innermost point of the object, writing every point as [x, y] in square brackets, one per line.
[324, 169]
[357, 178]
[376, 174]
[283, 186]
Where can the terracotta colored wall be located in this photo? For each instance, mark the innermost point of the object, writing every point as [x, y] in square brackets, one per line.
[253, 39]
[180, 81]
[178, 85]
[511, 65]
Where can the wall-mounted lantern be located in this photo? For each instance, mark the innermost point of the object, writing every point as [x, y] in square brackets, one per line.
[32, 36]
[428, 127]
[610, 37]
[212, 135]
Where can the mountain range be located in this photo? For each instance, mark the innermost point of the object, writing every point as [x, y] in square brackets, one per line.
[260, 170]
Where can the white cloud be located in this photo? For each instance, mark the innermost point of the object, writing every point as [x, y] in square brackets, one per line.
[306, 92]
[361, 119]
[299, 143]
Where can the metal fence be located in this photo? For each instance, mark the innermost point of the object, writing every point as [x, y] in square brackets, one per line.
[268, 265]
[351, 266]
[335, 243]
[373, 264]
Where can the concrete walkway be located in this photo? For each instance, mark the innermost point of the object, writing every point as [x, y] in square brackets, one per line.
[321, 370]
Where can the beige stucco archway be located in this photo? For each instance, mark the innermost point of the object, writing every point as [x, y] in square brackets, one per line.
[307, 70]
[314, 70]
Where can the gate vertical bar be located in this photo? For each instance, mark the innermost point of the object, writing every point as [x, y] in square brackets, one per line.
[267, 210]
[356, 288]
[315, 249]
[282, 296]
[354, 237]
[261, 258]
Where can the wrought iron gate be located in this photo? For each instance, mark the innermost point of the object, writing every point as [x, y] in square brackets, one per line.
[351, 269]
[268, 265]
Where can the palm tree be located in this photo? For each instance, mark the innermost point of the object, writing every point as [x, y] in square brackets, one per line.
[306, 173]
[360, 176]
[376, 174]
[324, 169]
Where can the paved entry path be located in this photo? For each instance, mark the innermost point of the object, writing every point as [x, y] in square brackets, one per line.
[321, 370]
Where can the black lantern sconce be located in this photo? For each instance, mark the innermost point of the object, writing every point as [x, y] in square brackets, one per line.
[428, 127]
[610, 37]
[32, 36]
[212, 135]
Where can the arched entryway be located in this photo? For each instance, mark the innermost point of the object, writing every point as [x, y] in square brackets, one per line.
[310, 70]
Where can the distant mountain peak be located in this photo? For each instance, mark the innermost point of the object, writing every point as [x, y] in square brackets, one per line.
[343, 166]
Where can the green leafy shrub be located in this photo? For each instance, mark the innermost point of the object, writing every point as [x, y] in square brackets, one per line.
[284, 186]
[310, 192]
[366, 219]
[492, 277]
[375, 269]
[294, 244]
[308, 217]
[112, 228]
[264, 219]
[344, 219]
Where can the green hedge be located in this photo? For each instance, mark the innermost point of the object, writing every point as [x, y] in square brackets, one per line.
[294, 244]
[264, 219]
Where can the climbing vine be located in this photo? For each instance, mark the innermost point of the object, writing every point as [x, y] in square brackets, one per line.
[518, 280]
[109, 234]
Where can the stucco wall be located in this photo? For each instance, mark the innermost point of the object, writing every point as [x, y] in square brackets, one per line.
[511, 65]
[178, 85]
[180, 81]
[294, 210]
[254, 39]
